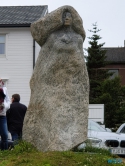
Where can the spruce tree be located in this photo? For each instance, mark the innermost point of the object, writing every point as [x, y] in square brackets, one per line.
[96, 59]
[113, 97]
[104, 90]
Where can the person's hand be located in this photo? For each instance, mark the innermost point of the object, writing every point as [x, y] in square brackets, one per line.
[1, 106]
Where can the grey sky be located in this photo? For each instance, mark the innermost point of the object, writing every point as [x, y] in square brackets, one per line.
[109, 15]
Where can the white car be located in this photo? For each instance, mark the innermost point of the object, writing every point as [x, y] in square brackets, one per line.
[101, 138]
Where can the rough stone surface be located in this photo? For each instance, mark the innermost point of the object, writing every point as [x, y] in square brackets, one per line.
[57, 114]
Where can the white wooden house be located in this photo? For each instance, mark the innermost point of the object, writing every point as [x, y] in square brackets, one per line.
[18, 50]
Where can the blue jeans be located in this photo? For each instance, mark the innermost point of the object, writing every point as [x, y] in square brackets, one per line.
[15, 137]
[3, 133]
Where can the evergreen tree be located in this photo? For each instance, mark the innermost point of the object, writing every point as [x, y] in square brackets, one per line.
[95, 61]
[104, 90]
[113, 97]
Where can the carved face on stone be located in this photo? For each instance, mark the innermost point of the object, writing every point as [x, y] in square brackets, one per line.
[67, 18]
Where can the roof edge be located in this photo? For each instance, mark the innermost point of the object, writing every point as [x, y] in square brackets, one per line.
[116, 62]
[14, 25]
[45, 10]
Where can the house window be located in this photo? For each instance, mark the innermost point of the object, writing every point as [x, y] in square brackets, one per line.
[114, 72]
[2, 44]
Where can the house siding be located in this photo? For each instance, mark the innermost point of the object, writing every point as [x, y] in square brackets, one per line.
[17, 64]
[37, 50]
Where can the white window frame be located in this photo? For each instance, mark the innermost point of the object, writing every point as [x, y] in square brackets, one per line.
[3, 55]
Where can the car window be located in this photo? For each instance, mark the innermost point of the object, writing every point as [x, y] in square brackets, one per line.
[122, 130]
[94, 126]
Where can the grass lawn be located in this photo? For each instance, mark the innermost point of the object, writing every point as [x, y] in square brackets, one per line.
[24, 154]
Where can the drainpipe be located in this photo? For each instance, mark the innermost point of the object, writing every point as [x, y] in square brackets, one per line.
[33, 53]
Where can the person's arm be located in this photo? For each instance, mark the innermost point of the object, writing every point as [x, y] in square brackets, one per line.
[7, 99]
[8, 112]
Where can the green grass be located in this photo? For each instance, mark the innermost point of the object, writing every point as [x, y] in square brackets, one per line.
[24, 154]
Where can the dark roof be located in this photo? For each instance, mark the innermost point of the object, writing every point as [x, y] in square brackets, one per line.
[115, 54]
[21, 15]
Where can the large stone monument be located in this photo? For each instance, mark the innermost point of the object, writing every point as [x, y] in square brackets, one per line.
[57, 114]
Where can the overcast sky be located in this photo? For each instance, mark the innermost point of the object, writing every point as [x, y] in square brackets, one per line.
[109, 15]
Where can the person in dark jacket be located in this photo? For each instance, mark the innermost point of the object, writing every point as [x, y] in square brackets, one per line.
[15, 117]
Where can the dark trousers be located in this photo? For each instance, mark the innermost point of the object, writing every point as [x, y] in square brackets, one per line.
[3, 133]
[16, 136]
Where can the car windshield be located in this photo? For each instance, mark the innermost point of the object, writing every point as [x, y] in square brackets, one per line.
[121, 129]
[95, 126]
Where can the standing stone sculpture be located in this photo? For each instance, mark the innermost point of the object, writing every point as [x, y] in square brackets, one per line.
[57, 115]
